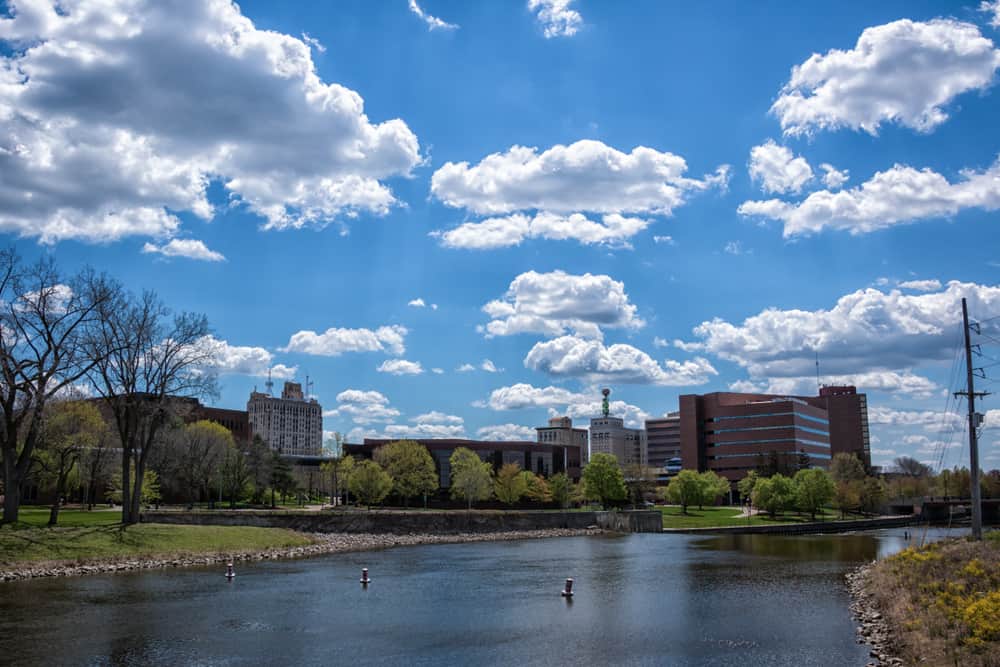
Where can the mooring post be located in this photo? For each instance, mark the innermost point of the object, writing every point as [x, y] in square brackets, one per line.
[568, 591]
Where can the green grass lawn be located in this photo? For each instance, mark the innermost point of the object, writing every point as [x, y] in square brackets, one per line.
[98, 535]
[718, 517]
[35, 516]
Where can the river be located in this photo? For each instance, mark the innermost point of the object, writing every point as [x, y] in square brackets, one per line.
[649, 599]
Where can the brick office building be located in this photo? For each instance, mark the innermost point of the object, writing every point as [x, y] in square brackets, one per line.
[729, 433]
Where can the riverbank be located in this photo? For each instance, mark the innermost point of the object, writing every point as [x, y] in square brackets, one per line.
[934, 605]
[735, 520]
[314, 545]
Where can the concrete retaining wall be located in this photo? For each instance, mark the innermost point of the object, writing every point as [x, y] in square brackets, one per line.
[403, 522]
[806, 528]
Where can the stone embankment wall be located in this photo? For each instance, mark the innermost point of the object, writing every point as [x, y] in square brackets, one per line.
[806, 528]
[403, 522]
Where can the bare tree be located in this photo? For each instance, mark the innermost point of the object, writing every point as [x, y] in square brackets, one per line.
[156, 359]
[45, 321]
[94, 466]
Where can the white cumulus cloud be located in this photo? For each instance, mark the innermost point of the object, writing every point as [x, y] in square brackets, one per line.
[587, 176]
[400, 367]
[114, 112]
[896, 196]
[556, 17]
[522, 395]
[552, 303]
[568, 356]
[777, 169]
[243, 359]
[834, 178]
[903, 72]
[864, 331]
[362, 407]
[334, 341]
[613, 230]
[905, 383]
[190, 248]
[921, 285]
[992, 8]
[507, 432]
[433, 22]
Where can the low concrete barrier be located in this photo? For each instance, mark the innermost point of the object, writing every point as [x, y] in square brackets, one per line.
[405, 522]
[806, 528]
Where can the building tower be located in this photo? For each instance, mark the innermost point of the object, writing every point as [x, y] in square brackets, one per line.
[291, 425]
[608, 435]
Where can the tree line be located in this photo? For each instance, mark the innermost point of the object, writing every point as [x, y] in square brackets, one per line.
[85, 333]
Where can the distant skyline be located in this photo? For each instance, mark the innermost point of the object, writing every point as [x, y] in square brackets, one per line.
[459, 219]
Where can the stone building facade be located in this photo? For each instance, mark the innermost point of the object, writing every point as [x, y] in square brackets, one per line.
[291, 425]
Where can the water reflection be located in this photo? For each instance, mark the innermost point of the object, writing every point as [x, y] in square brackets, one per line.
[640, 600]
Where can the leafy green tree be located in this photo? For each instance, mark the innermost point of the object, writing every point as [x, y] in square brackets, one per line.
[640, 481]
[845, 467]
[536, 487]
[813, 490]
[338, 470]
[745, 485]
[236, 474]
[411, 467]
[282, 480]
[603, 480]
[471, 477]
[562, 489]
[260, 461]
[872, 494]
[198, 449]
[712, 487]
[370, 483]
[774, 494]
[847, 496]
[685, 489]
[69, 428]
[149, 493]
[510, 484]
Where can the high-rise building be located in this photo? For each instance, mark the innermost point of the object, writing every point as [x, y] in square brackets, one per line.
[560, 432]
[663, 444]
[291, 425]
[733, 433]
[609, 435]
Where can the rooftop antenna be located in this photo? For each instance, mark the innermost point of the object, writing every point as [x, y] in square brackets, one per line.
[309, 385]
[605, 408]
[269, 384]
[818, 385]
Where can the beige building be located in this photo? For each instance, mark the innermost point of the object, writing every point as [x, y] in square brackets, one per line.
[608, 435]
[291, 425]
[560, 432]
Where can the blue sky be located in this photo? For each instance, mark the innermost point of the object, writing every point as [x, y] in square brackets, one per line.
[656, 198]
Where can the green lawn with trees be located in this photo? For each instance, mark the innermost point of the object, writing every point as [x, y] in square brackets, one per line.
[721, 517]
[23, 543]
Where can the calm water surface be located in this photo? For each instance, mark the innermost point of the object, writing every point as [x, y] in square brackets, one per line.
[640, 600]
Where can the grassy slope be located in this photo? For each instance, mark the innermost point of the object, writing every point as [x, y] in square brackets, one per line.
[85, 536]
[943, 601]
[716, 517]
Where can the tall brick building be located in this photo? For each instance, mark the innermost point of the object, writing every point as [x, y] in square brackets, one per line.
[729, 433]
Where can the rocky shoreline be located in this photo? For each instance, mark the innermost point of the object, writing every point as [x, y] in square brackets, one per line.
[872, 629]
[324, 543]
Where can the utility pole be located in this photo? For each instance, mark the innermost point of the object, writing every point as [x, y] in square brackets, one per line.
[970, 394]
